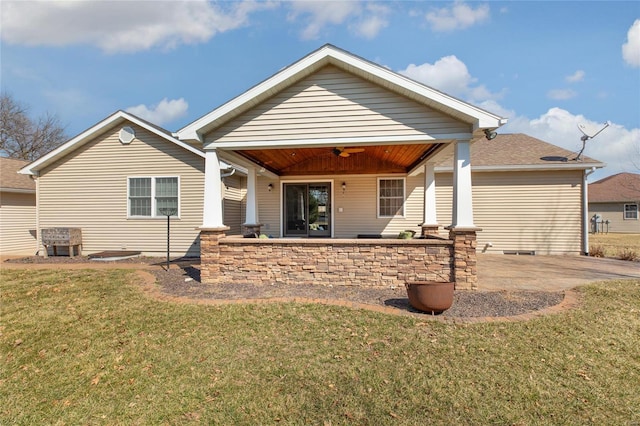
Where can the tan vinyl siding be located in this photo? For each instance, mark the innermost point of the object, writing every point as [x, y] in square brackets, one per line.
[614, 213]
[358, 205]
[18, 224]
[521, 211]
[88, 189]
[234, 203]
[334, 104]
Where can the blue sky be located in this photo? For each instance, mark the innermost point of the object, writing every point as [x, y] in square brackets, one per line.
[547, 66]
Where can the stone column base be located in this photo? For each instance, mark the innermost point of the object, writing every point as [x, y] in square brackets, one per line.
[429, 229]
[465, 271]
[210, 254]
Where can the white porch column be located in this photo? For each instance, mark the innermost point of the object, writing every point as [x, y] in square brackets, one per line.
[212, 210]
[430, 220]
[462, 194]
[252, 205]
[430, 215]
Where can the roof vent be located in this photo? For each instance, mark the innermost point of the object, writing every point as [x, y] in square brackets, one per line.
[126, 135]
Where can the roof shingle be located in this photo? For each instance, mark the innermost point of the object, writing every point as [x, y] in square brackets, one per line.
[10, 179]
[616, 188]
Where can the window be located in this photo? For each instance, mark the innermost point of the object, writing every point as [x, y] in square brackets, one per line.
[390, 197]
[153, 196]
[631, 211]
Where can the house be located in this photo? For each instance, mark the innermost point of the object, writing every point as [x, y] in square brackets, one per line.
[323, 156]
[17, 209]
[114, 179]
[613, 204]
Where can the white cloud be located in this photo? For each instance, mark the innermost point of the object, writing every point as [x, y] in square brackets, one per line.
[617, 146]
[631, 49]
[364, 20]
[561, 94]
[575, 77]
[164, 112]
[120, 26]
[458, 16]
[373, 21]
[450, 75]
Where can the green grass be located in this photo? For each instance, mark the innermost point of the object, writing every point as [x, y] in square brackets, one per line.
[88, 347]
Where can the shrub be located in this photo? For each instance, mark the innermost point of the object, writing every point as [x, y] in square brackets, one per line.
[628, 254]
[596, 251]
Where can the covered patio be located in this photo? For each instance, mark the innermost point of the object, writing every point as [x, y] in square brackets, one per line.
[336, 147]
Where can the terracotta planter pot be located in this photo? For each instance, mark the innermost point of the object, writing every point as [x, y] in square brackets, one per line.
[430, 296]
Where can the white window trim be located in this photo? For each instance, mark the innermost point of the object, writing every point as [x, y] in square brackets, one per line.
[624, 211]
[153, 197]
[404, 196]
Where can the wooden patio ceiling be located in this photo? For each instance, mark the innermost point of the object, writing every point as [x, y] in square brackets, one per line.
[319, 161]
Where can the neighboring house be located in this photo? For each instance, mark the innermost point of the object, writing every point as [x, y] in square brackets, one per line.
[614, 203]
[326, 152]
[17, 209]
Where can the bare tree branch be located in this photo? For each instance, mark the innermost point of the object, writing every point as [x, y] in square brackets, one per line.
[23, 138]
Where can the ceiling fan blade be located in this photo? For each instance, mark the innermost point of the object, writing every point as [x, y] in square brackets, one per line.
[344, 154]
[353, 150]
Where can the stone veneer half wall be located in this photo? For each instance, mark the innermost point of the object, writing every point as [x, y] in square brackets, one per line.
[367, 263]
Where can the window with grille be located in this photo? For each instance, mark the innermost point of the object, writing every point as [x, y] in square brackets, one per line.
[390, 197]
[631, 211]
[152, 196]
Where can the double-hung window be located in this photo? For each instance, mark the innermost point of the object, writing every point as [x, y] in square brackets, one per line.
[153, 196]
[631, 212]
[390, 197]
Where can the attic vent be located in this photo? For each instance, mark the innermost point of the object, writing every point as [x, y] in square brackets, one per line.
[126, 135]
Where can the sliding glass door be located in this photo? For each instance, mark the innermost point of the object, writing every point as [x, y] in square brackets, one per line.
[307, 209]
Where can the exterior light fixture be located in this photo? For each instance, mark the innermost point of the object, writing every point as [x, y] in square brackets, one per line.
[489, 134]
[270, 187]
[344, 187]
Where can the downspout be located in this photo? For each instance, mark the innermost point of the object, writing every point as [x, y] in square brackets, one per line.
[36, 176]
[585, 212]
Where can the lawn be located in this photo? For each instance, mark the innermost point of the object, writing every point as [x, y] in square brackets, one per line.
[615, 245]
[89, 347]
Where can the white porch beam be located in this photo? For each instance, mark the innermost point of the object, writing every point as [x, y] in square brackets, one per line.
[252, 203]
[462, 191]
[429, 212]
[212, 209]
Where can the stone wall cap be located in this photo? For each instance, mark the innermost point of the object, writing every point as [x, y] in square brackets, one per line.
[463, 228]
[217, 229]
[340, 241]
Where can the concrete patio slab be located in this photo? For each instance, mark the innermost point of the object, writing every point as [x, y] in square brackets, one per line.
[549, 273]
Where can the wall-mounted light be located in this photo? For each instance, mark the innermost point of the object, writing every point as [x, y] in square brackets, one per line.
[270, 187]
[344, 187]
[489, 134]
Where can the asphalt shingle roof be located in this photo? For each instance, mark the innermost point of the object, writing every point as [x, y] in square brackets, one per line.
[9, 177]
[616, 188]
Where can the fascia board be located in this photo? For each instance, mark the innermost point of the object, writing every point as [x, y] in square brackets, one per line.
[530, 167]
[18, 190]
[329, 54]
[329, 142]
[82, 138]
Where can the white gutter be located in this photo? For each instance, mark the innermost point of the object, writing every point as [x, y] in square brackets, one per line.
[585, 212]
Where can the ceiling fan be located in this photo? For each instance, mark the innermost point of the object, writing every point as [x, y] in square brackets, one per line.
[345, 152]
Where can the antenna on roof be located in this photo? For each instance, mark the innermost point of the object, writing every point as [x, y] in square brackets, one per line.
[588, 132]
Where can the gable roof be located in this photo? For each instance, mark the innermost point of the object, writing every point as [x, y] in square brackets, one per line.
[89, 134]
[616, 188]
[518, 151]
[11, 181]
[331, 55]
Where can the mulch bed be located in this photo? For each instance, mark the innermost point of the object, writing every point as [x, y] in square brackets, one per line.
[183, 280]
